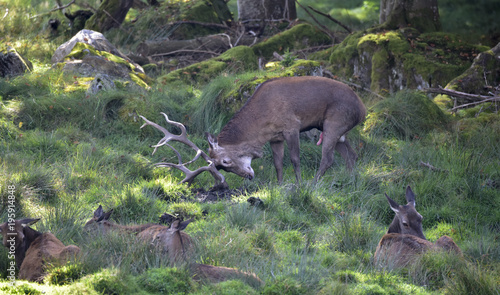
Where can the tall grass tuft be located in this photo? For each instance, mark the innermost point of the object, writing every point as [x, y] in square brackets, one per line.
[405, 115]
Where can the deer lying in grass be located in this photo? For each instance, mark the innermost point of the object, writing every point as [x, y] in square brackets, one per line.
[173, 241]
[158, 235]
[405, 239]
[33, 249]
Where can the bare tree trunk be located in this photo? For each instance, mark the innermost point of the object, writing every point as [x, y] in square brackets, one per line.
[110, 14]
[420, 14]
[266, 10]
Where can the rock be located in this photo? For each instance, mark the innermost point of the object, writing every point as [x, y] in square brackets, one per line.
[89, 53]
[100, 82]
[13, 64]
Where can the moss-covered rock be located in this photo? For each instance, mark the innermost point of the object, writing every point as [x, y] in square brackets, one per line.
[235, 60]
[298, 37]
[484, 71]
[388, 61]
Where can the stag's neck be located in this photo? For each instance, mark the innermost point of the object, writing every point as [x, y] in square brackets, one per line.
[30, 235]
[394, 227]
[248, 127]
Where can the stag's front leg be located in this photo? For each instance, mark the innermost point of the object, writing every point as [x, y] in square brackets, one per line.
[278, 148]
[293, 141]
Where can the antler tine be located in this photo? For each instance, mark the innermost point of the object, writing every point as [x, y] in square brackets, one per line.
[190, 175]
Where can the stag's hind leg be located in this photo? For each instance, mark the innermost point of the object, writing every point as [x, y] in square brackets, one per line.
[332, 132]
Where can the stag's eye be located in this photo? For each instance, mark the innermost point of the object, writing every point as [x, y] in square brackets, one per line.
[405, 224]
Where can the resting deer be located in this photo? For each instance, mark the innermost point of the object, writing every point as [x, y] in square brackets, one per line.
[33, 249]
[173, 241]
[405, 239]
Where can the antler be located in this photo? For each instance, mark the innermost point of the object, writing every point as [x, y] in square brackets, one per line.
[220, 180]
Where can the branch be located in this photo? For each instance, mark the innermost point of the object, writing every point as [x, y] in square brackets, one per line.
[454, 93]
[495, 98]
[186, 51]
[220, 181]
[323, 28]
[55, 9]
[331, 18]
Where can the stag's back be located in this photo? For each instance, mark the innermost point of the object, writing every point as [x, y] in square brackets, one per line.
[308, 100]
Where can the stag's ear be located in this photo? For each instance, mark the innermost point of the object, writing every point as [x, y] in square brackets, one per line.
[98, 212]
[393, 204]
[105, 216]
[410, 196]
[184, 224]
[28, 221]
[212, 141]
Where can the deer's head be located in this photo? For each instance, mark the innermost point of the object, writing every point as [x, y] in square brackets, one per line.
[231, 159]
[407, 219]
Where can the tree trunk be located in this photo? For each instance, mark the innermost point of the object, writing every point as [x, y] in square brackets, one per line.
[420, 14]
[266, 10]
[110, 14]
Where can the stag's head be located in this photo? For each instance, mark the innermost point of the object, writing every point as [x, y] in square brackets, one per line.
[13, 232]
[230, 159]
[407, 219]
[99, 220]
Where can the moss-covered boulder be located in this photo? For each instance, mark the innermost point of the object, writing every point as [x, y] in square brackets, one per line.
[12, 63]
[388, 61]
[235, 60]
[298, 37]
[89, 53]
[484, 72]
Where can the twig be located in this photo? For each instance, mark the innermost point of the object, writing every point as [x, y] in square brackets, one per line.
[55, 9]
[495, 98]
[331, 18]
[185, 51]
[192, 22]
[352, 84]
[323, 28]
[467, 96]
[432, 168]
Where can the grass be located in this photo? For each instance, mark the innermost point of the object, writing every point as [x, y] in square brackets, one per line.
[66, 153]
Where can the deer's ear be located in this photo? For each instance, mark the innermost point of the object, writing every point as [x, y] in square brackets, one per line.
[28, 221]
[105, 216]
[393, 204]
[212, 141]
[98, 212]
[410, 196]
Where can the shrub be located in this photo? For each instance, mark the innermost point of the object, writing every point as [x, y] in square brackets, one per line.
[405, 115]
[286, 286]
[63, 275]
[166, 281]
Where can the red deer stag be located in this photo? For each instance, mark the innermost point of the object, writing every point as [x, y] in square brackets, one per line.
[175, 242]
[405, 239]
[277, 112]
[34, 249]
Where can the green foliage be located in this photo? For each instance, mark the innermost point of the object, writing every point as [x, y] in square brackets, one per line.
[287, 286]
[110, 282]
[405, 115]
[231, 287]
[166, 281]
[63, 275]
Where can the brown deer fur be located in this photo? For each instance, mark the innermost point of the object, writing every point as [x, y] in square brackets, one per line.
[34, 249]
[277, 112]
[405, 239]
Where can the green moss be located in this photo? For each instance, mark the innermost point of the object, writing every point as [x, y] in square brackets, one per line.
[300, 36]
[166, 281]
[80, 50]
[234, 60]
[199, 11]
